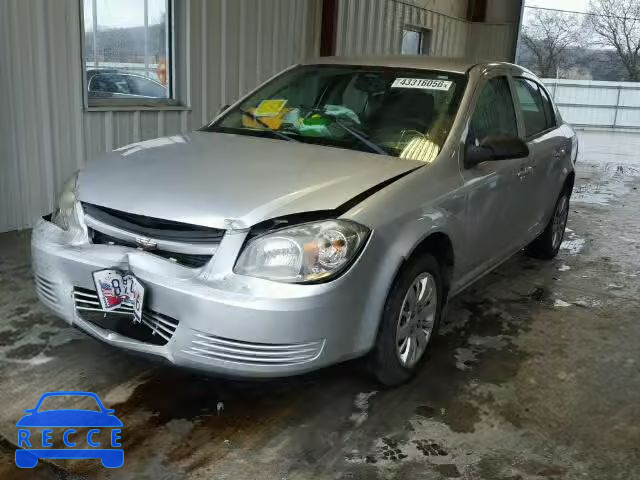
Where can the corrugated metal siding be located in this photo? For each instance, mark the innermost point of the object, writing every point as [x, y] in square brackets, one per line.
[368, 27]
[46, 134]
[495, 41]
[597, 104]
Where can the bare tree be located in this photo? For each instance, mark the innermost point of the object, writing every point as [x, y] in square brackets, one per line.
[548, 35]
[617, 24]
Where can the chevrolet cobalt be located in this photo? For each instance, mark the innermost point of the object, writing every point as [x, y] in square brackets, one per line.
[330, 214]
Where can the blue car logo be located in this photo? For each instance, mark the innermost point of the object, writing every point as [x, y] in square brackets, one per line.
[32, 447]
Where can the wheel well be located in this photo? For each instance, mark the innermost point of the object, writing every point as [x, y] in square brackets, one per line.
[570, 182]
[441, 247]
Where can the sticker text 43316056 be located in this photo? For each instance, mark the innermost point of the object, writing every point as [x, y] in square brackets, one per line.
[422, 84]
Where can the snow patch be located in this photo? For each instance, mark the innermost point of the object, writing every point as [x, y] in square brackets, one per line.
[587, 302]
[464, 358]
[561, 303]
[361, 406]
[39, 359]
[573, 246]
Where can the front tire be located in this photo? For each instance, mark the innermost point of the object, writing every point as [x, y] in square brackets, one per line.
[409, 322]
[547, 245]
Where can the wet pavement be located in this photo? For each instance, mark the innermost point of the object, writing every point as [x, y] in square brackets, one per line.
[536, 375]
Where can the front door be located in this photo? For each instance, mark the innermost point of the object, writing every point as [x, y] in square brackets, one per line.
[495, 193]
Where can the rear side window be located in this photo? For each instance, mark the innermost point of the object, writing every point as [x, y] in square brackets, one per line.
[549, 111]
[494, 113]
[146, 88]
[532, 106]
[110, 83]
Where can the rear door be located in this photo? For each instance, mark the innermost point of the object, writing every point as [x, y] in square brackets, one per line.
[547, 150]
[495, 192]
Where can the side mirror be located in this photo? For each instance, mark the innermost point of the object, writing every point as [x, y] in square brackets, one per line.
[494, 148]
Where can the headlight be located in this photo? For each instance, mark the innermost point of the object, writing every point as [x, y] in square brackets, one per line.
[66, 203]
[305, 253]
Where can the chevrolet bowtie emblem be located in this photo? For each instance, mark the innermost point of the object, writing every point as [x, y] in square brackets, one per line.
[146, 244]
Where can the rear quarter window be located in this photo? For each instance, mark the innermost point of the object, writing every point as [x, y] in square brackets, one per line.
[532, 106]
[549, 110]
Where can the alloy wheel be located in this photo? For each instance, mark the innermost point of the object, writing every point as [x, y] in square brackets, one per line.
[417, 319]
[559, 224]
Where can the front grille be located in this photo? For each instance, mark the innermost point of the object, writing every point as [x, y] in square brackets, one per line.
[212, 347]
[156, 328]
[155, 228]
[187, 259]
[189, 245]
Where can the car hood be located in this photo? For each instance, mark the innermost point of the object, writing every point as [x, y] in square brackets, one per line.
[222, 180]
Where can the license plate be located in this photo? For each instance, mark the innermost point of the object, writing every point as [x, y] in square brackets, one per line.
[116, 288]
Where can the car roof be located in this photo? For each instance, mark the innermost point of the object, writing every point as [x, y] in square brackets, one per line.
[422, 62]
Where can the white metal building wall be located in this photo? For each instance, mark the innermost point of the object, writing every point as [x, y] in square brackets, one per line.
[492, 41]
[369, 27]
[45, 132]
[588, 103]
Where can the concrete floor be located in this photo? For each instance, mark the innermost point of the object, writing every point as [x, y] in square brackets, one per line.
[535, 376]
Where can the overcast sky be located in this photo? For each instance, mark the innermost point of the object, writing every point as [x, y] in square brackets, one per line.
[575, 5]
[122, 13]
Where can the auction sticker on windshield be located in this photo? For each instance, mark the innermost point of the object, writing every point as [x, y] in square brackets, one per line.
[270, 108]
[116, 288]
[422, 84]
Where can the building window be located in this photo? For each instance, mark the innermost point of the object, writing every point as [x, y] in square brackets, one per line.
[127, 52]
[416, 41]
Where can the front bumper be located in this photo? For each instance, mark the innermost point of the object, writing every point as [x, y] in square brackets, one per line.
[209, 319]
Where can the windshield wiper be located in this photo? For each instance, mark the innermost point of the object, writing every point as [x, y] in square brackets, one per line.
[350, 130]
[259, 121]
[357, 134]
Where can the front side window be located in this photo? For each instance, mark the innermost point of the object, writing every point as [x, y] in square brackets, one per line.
[531, 104]
[494, 113]
[126, 52]
[403, 113]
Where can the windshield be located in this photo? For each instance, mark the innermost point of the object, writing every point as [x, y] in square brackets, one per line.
[400, 112]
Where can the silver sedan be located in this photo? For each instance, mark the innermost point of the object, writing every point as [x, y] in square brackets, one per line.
[329, 214]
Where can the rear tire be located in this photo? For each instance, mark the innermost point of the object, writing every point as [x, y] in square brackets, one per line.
[409, 322]
[547, 245]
